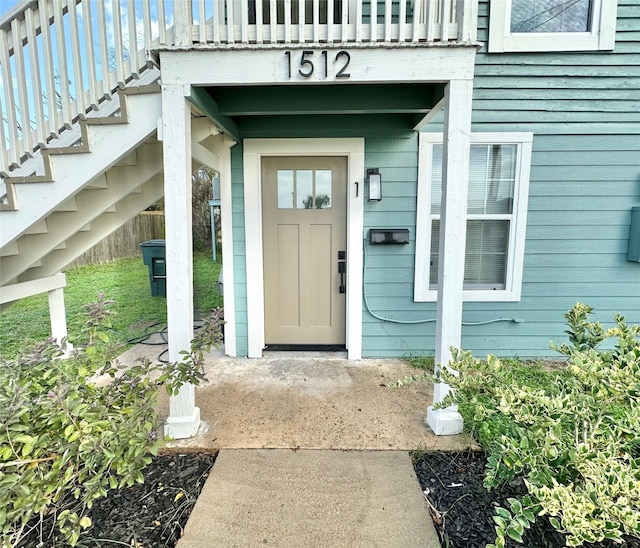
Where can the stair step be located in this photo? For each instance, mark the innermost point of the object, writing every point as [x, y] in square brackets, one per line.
[10, 249]
[68, 205]
[99, 182]
[130, 159]
[39, 227]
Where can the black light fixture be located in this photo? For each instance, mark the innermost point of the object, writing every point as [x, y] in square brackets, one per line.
[374, 182]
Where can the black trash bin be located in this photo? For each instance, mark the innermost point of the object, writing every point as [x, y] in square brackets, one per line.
[153, 255]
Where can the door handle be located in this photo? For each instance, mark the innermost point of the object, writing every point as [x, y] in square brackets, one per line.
[342, 269]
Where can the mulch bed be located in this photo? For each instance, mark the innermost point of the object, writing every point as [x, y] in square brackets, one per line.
[154, 514]
[462, 509]
[148, 515]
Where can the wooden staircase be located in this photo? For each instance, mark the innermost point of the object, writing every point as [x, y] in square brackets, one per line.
[66, 198]
[76, 161]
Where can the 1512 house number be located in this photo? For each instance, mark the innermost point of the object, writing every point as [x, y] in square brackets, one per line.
[309, 62]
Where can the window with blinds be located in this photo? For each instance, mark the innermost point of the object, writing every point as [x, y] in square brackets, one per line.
[496, 215]
[492, 170]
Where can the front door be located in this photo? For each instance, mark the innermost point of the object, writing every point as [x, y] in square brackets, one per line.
[304, 232]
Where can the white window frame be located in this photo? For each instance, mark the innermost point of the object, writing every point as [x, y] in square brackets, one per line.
[515, 258]
[601, 37]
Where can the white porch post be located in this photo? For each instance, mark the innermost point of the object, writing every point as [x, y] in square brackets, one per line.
[184, 416]
[453, 230]
[57, 315]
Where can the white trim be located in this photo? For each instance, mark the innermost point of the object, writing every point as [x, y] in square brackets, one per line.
[13, 292]
[226, 229]
[254, 150]
[268, 66]
[601, 37]
[512, 291]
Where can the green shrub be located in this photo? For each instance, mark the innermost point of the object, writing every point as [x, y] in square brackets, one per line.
[573, 438]
[61, 434]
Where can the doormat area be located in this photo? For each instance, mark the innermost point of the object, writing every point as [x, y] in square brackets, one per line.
[305, 348]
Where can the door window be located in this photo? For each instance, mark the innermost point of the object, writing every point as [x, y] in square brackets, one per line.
[304, 188]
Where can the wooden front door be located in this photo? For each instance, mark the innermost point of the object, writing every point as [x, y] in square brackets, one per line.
[304, 236]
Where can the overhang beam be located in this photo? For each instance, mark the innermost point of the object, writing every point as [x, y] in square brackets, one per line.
[349, 99]
[210, 108]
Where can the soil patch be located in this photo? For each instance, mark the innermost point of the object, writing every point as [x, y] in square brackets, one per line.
[152, 514]
[462, 509]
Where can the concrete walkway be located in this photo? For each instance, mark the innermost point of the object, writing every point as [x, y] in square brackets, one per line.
[313, 452]
[306, 498]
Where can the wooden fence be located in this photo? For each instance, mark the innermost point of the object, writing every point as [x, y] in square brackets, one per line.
[124, 242]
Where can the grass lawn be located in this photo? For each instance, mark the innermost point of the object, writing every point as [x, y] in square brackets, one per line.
[126, 282]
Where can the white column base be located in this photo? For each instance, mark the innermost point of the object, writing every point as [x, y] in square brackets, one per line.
[179, 428]
[444, 422]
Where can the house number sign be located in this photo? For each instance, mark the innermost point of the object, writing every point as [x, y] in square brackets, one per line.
[306, 62]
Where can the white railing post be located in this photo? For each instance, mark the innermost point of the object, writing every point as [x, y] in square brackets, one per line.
[119, 51]
[36, 83]
[103, 47]
[316, 20]
[287, 21]
[201, 17]
[301, 21]
[467, 18]
[21, 80]
[273, 20]
[12, 123]
[230, 23]
[182, 22]
[402, 21]
[417, 19]
[445, 18]
[133, 39]
[387, 20]
[162, 24]
[91, 65]
[373, 36]
[76, 61]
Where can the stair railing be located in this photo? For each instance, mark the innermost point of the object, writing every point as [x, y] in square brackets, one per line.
[59, 59]
[358, 21]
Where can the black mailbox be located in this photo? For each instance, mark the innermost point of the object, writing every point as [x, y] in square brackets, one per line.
[388, 236]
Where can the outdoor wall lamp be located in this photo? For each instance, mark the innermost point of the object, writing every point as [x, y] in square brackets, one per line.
[374, 182]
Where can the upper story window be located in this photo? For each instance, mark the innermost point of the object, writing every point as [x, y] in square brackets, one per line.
[496, 216]
[552, 25]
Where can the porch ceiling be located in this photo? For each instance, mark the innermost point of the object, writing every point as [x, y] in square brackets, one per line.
[322, 110]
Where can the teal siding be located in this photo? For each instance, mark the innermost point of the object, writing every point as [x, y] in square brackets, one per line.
[584, 111]
[239, 253]
[389, 270]
[585, 176]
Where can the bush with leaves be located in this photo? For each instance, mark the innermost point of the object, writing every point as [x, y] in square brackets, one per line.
[574, 440]
[62, 435]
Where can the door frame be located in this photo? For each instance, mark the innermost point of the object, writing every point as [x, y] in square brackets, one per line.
[254, 151]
